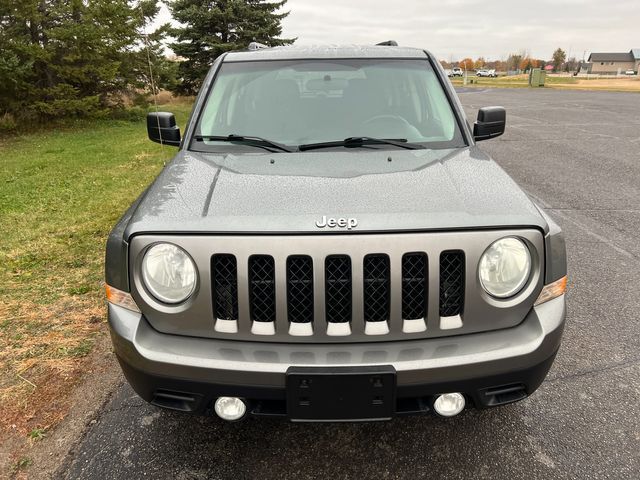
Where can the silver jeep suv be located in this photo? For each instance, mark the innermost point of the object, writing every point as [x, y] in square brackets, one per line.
[329, 244]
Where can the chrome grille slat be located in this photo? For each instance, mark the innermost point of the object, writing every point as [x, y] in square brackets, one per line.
[244, 315]
[395, 276]
[433, 293]
[318, 295]
[282, 322]
[357, 320]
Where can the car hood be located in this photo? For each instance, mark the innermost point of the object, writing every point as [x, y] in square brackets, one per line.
[384, 190]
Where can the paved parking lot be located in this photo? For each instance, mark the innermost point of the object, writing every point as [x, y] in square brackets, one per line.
[576, 153]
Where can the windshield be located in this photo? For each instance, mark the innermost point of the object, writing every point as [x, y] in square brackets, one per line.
[298, 102]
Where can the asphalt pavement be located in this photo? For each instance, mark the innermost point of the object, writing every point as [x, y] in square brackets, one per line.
[577, 154]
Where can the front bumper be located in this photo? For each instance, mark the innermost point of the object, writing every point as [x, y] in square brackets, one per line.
[188, 373]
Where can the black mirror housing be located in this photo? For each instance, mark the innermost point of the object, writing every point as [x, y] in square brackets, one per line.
[490, 124]
[162, 128]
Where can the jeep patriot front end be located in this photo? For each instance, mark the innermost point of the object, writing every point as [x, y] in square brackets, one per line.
[330, 244]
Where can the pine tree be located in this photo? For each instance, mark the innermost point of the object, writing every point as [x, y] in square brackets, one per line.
[72, 57]
[212, 27]
[559, 56]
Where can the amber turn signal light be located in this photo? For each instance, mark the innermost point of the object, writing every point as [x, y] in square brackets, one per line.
[120, 298]
[553, 290]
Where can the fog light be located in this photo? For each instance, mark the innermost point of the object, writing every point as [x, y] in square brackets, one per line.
[230, 408]
[449, 404]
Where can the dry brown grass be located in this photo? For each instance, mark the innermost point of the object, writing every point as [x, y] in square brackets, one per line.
[41, 359]
[563, 81]
[61, 192]
[164, 97]
[631, 84]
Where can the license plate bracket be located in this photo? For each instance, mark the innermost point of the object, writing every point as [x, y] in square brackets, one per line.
[326, 394]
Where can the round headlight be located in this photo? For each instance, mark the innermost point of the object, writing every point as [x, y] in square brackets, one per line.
[168, 273]
[505, 267]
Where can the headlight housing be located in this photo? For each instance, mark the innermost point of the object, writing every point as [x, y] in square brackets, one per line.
[505, 267]
[168, 273]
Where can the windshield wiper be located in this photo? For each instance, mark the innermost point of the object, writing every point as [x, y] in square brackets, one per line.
[249, 140]
[359, 141]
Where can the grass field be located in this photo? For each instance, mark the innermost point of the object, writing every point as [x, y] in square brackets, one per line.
[61, 191]
[630, 84]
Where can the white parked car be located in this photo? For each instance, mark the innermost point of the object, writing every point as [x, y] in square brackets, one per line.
[455, 72]
[486, 73]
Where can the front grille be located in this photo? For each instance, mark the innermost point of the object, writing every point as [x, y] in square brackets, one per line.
[225, 286]
[377, 289]
[414, 286]
[262, 288]
[338, 306]
[338, 288]
[300, 289]
[451, 283]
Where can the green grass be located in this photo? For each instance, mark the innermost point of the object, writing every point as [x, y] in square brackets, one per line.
[560, 80]
[61, 191]
[22, 464]
[37, 434]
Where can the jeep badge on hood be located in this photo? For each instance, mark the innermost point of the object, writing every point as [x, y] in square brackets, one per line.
[337, 222]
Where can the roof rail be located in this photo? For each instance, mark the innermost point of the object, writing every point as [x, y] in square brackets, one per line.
[257, 46]
[388, 43]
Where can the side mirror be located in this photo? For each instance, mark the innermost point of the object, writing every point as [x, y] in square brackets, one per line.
[490, 124]
[162, 128]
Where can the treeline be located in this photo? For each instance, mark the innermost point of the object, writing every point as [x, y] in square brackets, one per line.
[76, 58]
[522, 61]
[87, 58]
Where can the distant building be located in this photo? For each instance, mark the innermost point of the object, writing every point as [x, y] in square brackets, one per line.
[612, 63]
[584, 67]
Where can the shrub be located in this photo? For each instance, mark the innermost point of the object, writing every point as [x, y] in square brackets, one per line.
[8, 123]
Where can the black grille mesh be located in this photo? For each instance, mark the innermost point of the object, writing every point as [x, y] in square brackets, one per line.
[414, 286]
[225, 286]
[338, 287]
[300, 289]
[451, 283]
[337, 271]
[262, 289]
[376, 287]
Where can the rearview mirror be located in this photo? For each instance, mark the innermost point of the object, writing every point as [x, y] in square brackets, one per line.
[490, 124]
[162, 128]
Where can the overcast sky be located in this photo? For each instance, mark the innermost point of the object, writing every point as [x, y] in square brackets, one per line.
[454, 29]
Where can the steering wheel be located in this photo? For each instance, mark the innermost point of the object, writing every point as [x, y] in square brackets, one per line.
[390, 126]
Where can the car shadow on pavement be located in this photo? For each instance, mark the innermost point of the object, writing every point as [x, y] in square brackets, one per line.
[167, 444]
